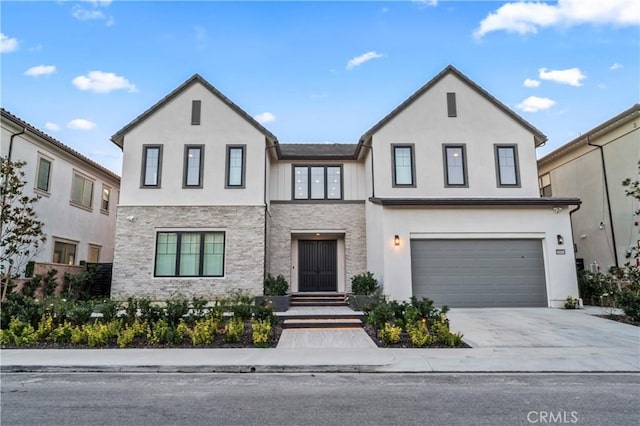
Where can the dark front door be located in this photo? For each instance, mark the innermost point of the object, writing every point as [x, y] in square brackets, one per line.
[317, 265]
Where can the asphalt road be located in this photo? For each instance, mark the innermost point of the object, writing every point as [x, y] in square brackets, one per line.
[319, 399]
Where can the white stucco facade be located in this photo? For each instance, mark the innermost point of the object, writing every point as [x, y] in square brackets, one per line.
[91, 228]
[605, 225]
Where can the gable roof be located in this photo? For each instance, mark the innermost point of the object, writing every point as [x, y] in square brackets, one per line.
[625, 116]
[316, 151]
[118, 137]
[56, 143]
[540, 137]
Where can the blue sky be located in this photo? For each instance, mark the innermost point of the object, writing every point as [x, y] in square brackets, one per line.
[313, 71]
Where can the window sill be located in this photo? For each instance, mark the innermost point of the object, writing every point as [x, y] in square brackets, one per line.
[41, 192]
[105, 212]
[80, 206]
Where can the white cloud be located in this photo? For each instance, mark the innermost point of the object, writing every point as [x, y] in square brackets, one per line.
[81, 124]
[570, 76]
[529, 82]
[8, 44]
[359, 60]
[94, 12]
[616, 66]
[103, 82]
[535, 103]
[426, 2]
[52, 126]
[265, 117]
[528, 17]
[39, 70]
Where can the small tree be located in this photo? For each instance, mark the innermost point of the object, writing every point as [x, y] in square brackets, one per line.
[632, 189]
[21, 233]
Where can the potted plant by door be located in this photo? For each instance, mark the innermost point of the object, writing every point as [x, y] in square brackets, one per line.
[275, 293]
[363, 287]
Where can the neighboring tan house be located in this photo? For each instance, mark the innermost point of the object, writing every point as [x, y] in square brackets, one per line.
[78, 197]
[592, 167]
[439, 200]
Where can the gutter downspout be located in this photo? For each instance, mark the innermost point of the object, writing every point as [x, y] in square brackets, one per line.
[4, 178]
[373, 183]
[266, 208]
[606, 190]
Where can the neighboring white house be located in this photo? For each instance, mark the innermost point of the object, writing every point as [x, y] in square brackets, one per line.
[78, 197]
[439, 200]
[592, 167]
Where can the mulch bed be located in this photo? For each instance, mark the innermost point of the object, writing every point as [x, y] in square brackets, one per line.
[405, 341]
[621, 318]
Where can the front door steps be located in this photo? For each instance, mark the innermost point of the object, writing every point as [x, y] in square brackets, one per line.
[320, 310]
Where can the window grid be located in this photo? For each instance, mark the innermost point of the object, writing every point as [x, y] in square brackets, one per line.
[507, 165]
[193, 162]
[82, 191]
[235, 166]
[317, 183]
[455, 165]
[106, 195]
[189, 254]
[403, 166]
[64, 253]
[151, 166]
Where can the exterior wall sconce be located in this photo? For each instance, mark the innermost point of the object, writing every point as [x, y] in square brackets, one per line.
[560, 239]
[396, 240]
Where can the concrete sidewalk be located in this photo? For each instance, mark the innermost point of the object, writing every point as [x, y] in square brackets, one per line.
[503, 340]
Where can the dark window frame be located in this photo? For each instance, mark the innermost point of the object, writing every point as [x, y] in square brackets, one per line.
[465, 176]
[185, 167]
[543, 187]
[79, 203]
[200, 258]
[227, 168]
[104, 209]
[326, 183]
[65, 243]
[196, 111]
[452, 110]
[411, 147]
[516, 165]
[143, 175]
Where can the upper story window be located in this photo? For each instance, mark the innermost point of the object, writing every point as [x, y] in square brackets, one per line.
[451, 105]
[106, 196]
[44, 174]
[317, 182]
[235, 166]
[193, 161]
[455, 165]
[196, 107]
[81, 191]
[151, 166]
[507, 165]
[545, 185]
[190, 254]
[403, 167]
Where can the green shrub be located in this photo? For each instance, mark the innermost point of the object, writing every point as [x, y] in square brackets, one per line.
[100, 334]
[176, 309]
[45, 327]
[233, 330]
[571, 303]
[79, 312]
[275, 286]
[364, 284]
[592, 285]
[444, 335]
[78, 286]
[79, 335]
[158, 332]
[260, 332]
[62, 333]
[204, 331]
[131, 332]
[109, 309]
[21, 307]
[629, 301]
[380, 314]
[131, 310]
[21, 333]
[149, 312]
[198, 309]
[390, 333]
[419, 333]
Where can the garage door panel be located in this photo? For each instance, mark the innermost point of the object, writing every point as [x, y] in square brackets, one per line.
[479, 273]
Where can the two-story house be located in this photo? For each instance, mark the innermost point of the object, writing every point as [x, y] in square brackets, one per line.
[78, 196]
[439, 200]
[592, 167]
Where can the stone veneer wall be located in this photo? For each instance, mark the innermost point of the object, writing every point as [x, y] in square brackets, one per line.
[349, 217]
[135, 250]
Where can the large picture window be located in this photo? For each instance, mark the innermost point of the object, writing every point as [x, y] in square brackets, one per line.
[82, 191]
[151, 166]
[507, 165]
[403, 167]
[190, 254]
[193, 162]
[317, 182]
[64, 253]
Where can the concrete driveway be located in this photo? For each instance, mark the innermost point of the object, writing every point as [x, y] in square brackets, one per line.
[546, 339]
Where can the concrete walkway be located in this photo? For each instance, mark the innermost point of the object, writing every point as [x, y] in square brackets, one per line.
[503, 340]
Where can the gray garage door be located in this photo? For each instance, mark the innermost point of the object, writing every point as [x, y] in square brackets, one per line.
[479, 273]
